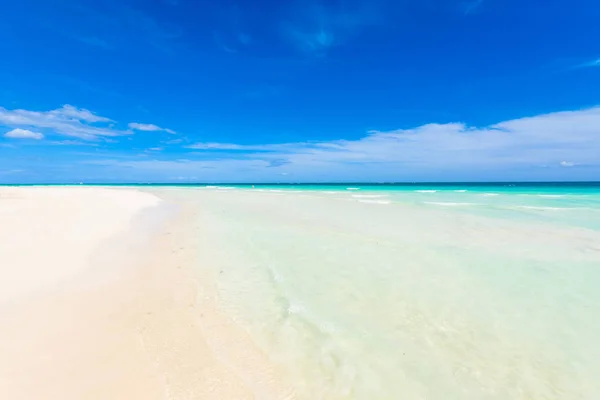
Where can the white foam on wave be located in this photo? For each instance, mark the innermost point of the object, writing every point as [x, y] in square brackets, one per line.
[549, 208]
[449, 204]
[460, 191]
[544, 195]
[352, 188]
[489, 194]
[375, 201]
[210, 187]
[426, 191]
[369, 196]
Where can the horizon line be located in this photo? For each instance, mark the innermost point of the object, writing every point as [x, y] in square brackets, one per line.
[339, 183]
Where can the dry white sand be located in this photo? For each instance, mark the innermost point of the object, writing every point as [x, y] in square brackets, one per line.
[93, 307]
[48, 235]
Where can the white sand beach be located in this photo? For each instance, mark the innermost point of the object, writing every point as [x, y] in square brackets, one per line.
[204, 293]
[96, 303]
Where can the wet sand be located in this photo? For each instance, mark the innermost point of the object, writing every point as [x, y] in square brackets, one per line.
[399, 295]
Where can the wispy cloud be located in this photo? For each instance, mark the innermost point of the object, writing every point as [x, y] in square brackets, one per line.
[11, 171]
[588, 64]
[315, 41]
[71, 143]
[315, 27]
[23, 134]
[274, 147]
[531, 142]
[152, 32]
[229, 146]
[567, 164]
[68, 120]
[557, 144]
[232, 36]
[149, 128]
[80, 114]
[174, 141]
[473, 6]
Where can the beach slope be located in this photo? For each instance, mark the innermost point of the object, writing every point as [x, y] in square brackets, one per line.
[96, 302]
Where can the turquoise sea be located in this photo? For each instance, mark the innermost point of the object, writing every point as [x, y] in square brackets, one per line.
[571, 203]
[466, 291]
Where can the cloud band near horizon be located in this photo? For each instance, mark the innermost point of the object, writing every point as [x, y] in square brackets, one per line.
[568, 141]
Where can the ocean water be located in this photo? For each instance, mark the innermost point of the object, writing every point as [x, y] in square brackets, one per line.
[455, 291]
[413, 292]
[572, 203]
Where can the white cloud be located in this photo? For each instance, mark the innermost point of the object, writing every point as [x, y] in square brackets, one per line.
[80, 114]
[69, 121]
[274, 147]
[144, 127]
[520, 144]
[174, 141]
[23, 134]
[72, 143]
[544, 147]
[222, 146]
[149, 128]
[214, 146]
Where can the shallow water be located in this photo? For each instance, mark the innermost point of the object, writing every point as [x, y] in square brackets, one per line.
[413, 293]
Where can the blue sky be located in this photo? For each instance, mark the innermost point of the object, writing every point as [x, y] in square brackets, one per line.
[296, 91]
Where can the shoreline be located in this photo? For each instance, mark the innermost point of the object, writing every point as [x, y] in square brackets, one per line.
[129, 323]
[360, 300]
[232, 294]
